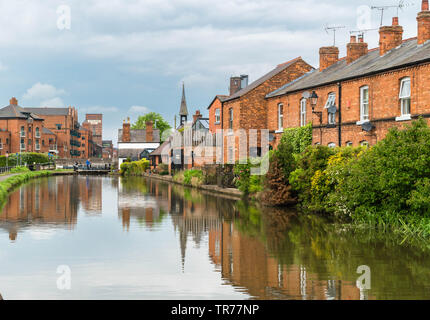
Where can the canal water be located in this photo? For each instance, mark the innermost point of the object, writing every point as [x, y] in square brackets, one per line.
[81, 237]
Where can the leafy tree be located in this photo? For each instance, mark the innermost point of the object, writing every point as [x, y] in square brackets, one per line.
[156, 118]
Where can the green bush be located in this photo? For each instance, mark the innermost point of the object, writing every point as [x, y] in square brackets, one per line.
[244, 181]
[313, 159]
[391, 178]
[191, 177]
[26, 157]
[19, 170]
[299, 138]
[134, 168]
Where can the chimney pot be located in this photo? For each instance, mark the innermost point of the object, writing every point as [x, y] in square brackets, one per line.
[395, 21]
[355, 50]
[353, 39]
[425, 5]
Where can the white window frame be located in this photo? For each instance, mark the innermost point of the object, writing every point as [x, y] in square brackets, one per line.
[405, 101]
[364, 117]
[230, 120]
[280, 117]
[349, 144]
[37, 132]
[22, 132]
[303, 112]
[37, 145]
[332, 145]
[331, 102]
[364, 143]
[217, 116]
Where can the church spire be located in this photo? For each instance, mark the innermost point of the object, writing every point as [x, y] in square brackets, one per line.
[183, 112]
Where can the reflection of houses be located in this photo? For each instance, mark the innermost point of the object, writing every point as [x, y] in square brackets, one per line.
[133, 142]
[53, 202]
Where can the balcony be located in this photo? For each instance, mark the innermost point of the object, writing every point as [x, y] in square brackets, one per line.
[75, 143]
[75, 133]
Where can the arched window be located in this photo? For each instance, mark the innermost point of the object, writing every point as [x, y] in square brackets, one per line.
[364, 143]
[280, 117]
[332, 145]
[349, 144]
[303, 112]
[364, 103]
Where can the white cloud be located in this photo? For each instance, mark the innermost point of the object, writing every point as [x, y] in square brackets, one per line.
[53, 103]
[42, 91]
[139, 109]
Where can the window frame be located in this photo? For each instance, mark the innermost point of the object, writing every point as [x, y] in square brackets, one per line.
[280, 117]
[405, 100]
[230, 120]
[303, 112]
[331, 145]
[217, 116]
[364, 117]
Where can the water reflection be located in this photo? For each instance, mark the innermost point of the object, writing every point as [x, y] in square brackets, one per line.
[50, 202]
[259, 253]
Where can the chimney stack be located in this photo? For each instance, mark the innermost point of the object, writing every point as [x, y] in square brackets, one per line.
[196, 116]
[235, 85]
[423, 19]
[149, 131]
[356, 49]
[328, 57]
[13, 101]
[126, 131]
[390, 37]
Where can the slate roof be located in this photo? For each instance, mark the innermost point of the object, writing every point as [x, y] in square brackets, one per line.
[15, 111]
[139, 135]
[221, 97]
[408, 53]
[264, 78]
[159, 150]
[49, 111]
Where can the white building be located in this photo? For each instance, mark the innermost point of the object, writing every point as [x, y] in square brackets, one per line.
[134, 144]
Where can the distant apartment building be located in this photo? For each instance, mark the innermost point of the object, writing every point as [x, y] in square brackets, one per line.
[107, 149]
[21, 130]
[95, 123]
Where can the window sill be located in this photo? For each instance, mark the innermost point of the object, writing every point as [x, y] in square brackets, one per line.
[230, 132]
[405, 117]
[279, 131]
[217, 123]
[359, 123]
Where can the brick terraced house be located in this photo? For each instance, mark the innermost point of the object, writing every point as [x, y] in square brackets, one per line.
[359, 97]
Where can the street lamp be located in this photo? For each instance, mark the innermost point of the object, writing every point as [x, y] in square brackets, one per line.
[314, 100]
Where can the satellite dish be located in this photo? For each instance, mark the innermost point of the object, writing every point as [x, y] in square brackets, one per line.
[332, 109]
[367, 126]
[306, 95]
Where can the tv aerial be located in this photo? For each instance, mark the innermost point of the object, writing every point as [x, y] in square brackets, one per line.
[398, 7]
[334, 30]
[361, 33]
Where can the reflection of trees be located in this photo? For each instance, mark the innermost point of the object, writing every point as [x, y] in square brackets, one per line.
[330, 250]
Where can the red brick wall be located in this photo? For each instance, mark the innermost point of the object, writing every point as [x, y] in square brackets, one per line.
[213, 127]
[384, 106]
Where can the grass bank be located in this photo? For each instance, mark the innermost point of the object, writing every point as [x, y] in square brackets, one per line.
[20, 176]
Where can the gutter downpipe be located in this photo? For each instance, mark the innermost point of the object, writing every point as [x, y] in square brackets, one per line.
[339, 85]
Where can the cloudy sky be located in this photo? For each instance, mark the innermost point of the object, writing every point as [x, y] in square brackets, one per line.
[125, 58]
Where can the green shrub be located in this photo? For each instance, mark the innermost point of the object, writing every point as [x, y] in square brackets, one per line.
[244, 181]
[299, 138]
[134, 168]
[312, 160]
[191, 177]
[19, 170]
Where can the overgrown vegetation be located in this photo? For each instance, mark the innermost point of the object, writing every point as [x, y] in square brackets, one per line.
[245, 182]
[190, 177]
[134, 168]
